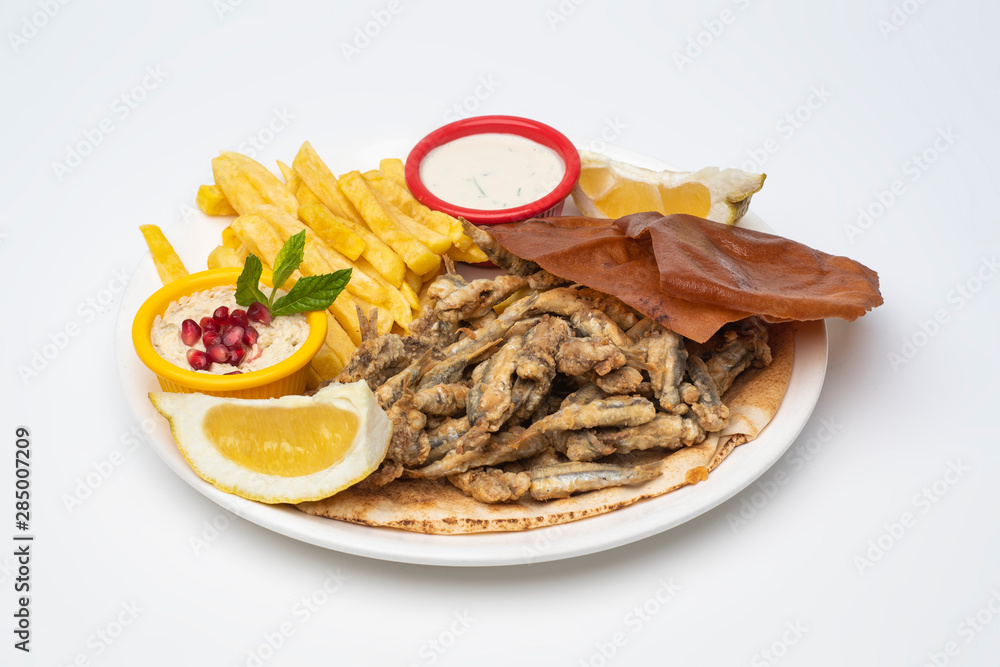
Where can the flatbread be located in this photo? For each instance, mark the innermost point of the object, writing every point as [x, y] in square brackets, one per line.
[438, 507]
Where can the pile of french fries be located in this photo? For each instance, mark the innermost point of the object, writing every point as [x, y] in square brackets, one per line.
[368, 222]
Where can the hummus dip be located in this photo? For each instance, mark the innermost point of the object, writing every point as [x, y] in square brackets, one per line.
[275, 342]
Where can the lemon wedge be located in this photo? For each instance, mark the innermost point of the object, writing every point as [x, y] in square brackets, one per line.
[280, 450]
[611, 189]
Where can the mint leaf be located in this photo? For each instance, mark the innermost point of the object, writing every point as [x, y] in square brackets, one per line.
[247, 289]
[287, 260]
[312, 293]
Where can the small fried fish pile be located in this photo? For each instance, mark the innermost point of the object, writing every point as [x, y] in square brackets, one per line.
[549, 397]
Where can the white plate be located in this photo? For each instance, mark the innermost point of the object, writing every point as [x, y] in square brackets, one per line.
[591, 535]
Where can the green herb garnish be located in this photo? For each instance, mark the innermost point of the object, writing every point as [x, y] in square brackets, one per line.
[308, 293]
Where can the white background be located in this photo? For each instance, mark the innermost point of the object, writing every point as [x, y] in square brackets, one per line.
[808, 556]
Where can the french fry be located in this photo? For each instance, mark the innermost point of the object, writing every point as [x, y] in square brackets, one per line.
[212, 201]
[361, 284]
[292, 179]
[394, 169]
[318, 258]
[413, 253]
[242, 252]
[344, 309]
[327, 362]
[461, 241]
[323, 184]
[400, 196]
[168, 264]
[411, 296]
[222, 257]
[414, 281]
[335, 232]
[471, 256]
[396, 303]
[305, 195]
[239, 191]
[230, 239]
[264, 182]
[436, 243]
[260, 237]
[313, 379]
[338, 340]
[385, 319]
[376, 252]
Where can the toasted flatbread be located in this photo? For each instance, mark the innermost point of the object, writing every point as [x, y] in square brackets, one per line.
[438, 507]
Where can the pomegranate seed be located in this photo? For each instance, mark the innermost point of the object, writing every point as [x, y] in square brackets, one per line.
[234, 373]
[190, 332]
[221, 315]
[208, 324]
[250, 336]
[199, 360]
[210, 338]
[239, 318]
[218, 353]
[236, 355]
[232, 337]
[258, 312]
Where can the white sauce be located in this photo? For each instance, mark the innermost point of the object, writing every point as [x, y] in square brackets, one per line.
[491, 171]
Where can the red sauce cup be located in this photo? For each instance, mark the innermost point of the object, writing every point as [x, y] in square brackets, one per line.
[549, 205]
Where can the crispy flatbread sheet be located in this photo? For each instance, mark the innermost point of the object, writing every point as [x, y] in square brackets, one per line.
[596, 253]
[732, 267]
[693, 275]
[437, 507]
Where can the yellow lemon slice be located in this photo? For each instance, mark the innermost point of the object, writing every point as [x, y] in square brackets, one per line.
[280, 450]
[611, 189]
